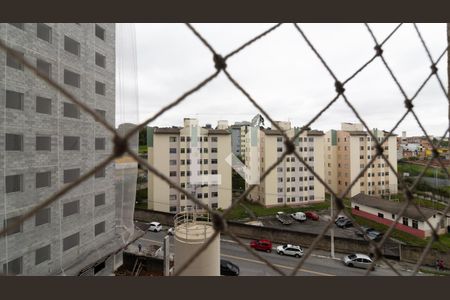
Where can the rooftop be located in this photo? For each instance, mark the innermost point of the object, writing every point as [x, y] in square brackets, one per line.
[393, 207]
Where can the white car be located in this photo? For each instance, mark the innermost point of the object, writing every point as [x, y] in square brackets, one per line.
[289, 249]
[299, 216]
[358, 260]
[155, 227]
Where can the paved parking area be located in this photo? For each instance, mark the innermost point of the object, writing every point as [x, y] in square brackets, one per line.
[310, 226]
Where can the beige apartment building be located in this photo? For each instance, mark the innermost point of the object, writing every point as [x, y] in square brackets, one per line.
[194, 157]
[349, 150]
[290, 183]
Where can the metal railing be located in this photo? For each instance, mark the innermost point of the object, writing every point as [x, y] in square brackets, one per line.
[219, 219]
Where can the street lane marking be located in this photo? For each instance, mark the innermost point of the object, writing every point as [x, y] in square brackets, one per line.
[277, 265]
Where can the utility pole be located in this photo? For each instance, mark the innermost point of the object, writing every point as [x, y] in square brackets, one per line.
[166, 256]
[332, 227]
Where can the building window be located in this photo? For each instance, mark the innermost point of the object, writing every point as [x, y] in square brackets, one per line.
[13, 62]
[72, 143]
[42, 216]
[173, 162]
[214, 205]
[14, 183]
[173, 173]
[14, 142]
[100, 173]
[13, 267]
[71, 110]
[44, 32]
[213, 150]
[43, 179]
[279, 149]
[279, 139]
[182, 139]
[99, 228]
[213, 161]
[72, 78]
[71, 46]
[43, 143]
[71, 208]
[14, 100]
[280, 199]
[182, 173]
[380, 215]
[99, 199]
[42, 254]
[100, 60]
[44, 68]
[71, 175]
[102, 113]
[174, 150]
[17, 227]
[214, 194]
[356, 207]
[71, 241]
[214, 139]
[100, 143]
[173, 209]
[405, 221]
[43, 105]
[100, 88]
[214, 172]
[415, 224]
[18, 25]
[99, 32]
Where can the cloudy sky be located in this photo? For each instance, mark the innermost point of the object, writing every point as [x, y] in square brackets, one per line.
[286, 78]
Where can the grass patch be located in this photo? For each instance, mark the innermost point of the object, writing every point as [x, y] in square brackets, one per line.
[143, 148]
[434, 272]
[442, 245]
[424, 202]
[141, 205]
[415, 170]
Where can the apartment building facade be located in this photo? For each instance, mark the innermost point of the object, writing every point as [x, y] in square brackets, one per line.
[47, 142]
[349, 150]
[290, 183]
[193, 157]
[238, 133]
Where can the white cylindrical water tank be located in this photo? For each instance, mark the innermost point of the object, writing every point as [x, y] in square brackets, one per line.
[192, 230]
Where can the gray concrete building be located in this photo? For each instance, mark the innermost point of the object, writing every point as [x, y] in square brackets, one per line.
[47, 142]
[238, 131]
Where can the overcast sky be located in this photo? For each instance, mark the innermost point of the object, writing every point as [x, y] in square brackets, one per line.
[282, 73]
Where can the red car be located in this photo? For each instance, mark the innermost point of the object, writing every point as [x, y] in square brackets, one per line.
[312, 215]
[263, 245]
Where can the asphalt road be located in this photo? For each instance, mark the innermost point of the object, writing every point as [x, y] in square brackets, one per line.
[318, 264]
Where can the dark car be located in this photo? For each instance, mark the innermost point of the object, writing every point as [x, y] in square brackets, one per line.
[344, 223]
[262, 245]
[227, 268]
[370, 232]
[312, 215]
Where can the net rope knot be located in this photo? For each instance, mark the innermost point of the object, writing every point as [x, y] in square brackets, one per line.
[120, 145]
[219, 223]
[378, 50]
[379, 149]
[339, 87]
[434, 69]
[219, 62]
[290, 147]
[408, 104]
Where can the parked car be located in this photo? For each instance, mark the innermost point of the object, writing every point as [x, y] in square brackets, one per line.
[155, 227]
[283, 218]
[289, 249]
[170, 231]
[312, 215]
[340, 217]
[227, 268]
[358, 260]
[299, 216]
[371, 233]
[344, 223]
[262, 245]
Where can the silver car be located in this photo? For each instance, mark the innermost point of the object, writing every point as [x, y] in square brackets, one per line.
[358, 260]
[289, 249]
